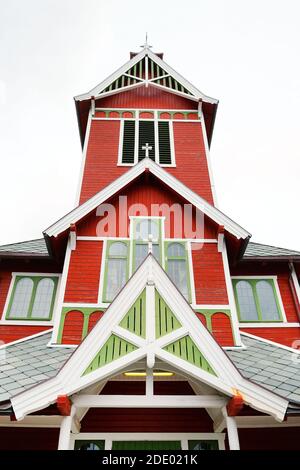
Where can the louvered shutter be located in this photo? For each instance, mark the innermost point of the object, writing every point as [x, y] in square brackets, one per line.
[128, 142]
[164, 143]
[146, 135]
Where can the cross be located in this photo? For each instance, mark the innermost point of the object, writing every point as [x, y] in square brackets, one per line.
[147, 149]
[146, 45]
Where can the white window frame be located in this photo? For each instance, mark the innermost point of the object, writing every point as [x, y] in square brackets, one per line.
[136, 144]
[149, 436]
[270, 324]
[28, 322]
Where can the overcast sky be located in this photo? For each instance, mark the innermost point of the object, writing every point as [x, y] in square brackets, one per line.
[245, 53]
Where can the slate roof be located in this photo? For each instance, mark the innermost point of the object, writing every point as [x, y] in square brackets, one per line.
[27, 363]
[31, 247]
[257, 250]
[271, 366]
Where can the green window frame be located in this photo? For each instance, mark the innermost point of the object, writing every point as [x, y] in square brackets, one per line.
[179, 258]
[137, 241]
[257, 300]
[109, 257]
[31, 298]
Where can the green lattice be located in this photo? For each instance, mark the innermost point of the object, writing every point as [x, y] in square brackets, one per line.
[135, 320]
[186, 349]
[113, 349]
[165, 320]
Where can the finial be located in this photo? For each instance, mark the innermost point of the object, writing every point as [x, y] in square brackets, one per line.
[146, 45]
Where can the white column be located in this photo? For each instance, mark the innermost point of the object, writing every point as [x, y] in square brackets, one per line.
[295, 280]
[232, 431]
[65, 430]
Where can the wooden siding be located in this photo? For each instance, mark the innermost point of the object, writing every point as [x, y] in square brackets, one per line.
[13, 438]
[84, 272]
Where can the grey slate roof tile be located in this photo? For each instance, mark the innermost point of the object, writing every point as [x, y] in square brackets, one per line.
[257, 250]
[276, 369]
[21, 367]
[37, 246]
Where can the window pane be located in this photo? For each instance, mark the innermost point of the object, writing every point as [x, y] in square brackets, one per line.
[21, 301]
[203, 445]
[177, 270]
[246, 301]
[176, 249]
[43, 299]
[89, 445]
[116, 277]
[145, 228]
[141, 251]
[118, 249]
[267, 301]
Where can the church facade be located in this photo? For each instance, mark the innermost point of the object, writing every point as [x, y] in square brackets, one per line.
[145, 318]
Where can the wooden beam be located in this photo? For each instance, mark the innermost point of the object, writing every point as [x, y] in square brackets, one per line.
[235, 405]
[159, 401]
[64, 405]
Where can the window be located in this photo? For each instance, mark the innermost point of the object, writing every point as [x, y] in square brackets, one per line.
[136, 136]
[123, 257]
[89, 445]
[257, 300]
[143, 231]
[116, 269]
[32, 298]
[177, 267]
[203, 445]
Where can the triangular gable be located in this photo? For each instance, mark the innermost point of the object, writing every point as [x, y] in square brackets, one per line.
[188, 347]
[164, 176]
[146, 69]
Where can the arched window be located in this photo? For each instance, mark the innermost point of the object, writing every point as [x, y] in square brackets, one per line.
[32, 298]
[246, 301]
[142, 230]
[177, 267]
[21, 298]
[116, 269]
[257, 300]
[267, 301]
[43, 299]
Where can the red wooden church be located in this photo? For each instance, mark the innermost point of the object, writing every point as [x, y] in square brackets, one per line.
[145, 318]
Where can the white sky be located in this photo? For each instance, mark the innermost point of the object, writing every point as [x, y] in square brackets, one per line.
[245, 53]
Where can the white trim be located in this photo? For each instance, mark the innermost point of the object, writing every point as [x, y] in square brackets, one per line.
[39, 421]
[191, 273]
[70, 378]
[295, 281]
[268, 325]
[121, 136]
[47, 323]
[65, 430]
[109, 438]
[273, 343]
[25, 338]
[83, 158]
[231, 298]
[195, 240]
[172, 182]
[232, 431]
[209, 162]
[56, 316]
[102, 272]
[266, 422]
[273, 278]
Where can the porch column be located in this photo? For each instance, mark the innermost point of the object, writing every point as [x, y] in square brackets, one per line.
[232, 431]
[65, 430]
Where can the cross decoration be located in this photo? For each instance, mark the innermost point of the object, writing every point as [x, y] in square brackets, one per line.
[147, 149]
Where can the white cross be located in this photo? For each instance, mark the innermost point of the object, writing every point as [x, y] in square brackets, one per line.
[146, 45]
[147, 149]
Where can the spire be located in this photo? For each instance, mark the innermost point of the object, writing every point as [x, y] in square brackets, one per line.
[146, 45]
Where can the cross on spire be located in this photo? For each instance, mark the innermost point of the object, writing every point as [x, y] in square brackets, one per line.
[147, 149]
[146, 45]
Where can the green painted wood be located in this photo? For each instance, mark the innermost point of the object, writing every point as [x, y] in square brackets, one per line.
[186, 349]
[165, 320]
[113, 349]
[146, 445]
[135, 320]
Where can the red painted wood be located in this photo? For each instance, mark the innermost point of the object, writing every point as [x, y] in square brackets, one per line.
[93, 319]
[9, 333]
[156, 199]
[221, 329]
[151, 98]
[269, 439]
[14, 438]
[286, 336]
[73, 325]
[210, 285]
[163, 387]
[84, 272]
[145, 420]
[201, 318]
